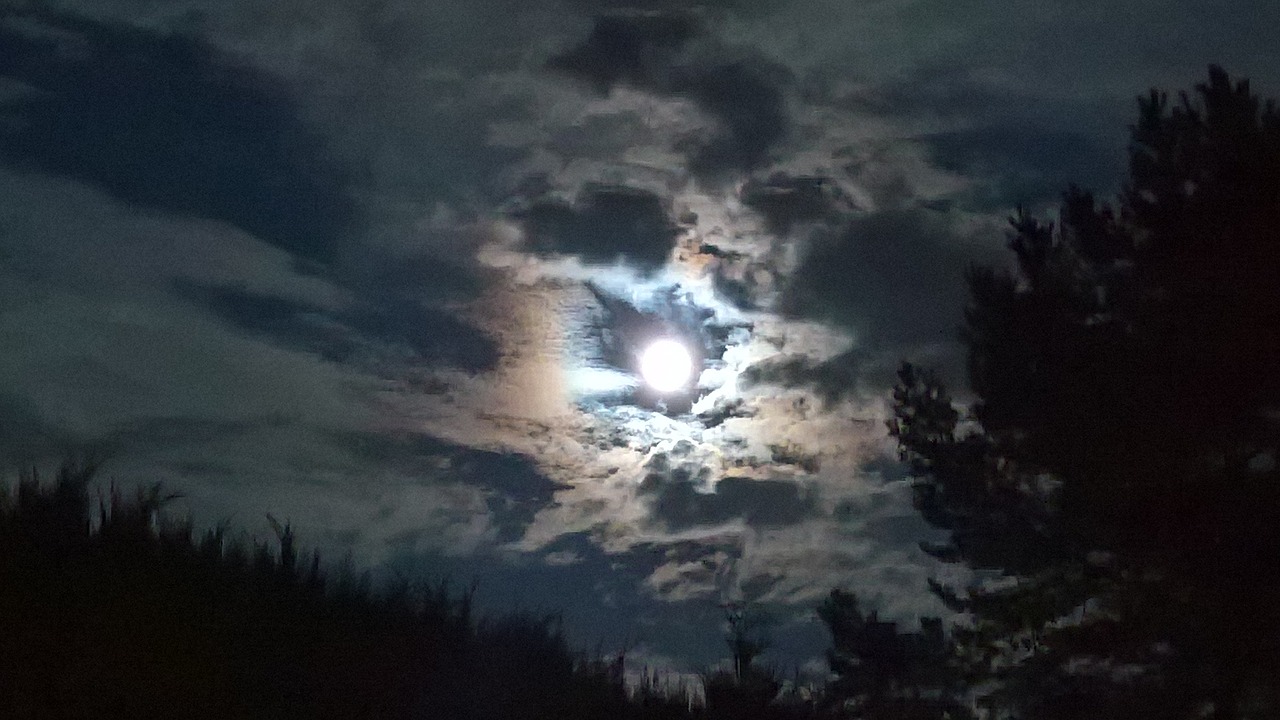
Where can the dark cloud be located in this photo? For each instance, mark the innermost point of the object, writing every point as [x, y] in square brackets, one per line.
[724, 409]
[883, 516]
[414, 278]
[671, 55]
[793, 454]
[429, 335]
[751, 7]
[786, 200]
[739, 278]
[737, 291]
[606, 224]
[950, 91]
[515, 489]
[165, 121]
[638, 50]
[161, 431]
[894, 276]
[26, 436]
[1020, 147]
[1024, 165]
[596, 595]
[680, 495]
[832, 379]
[681, 505]
[603, 137]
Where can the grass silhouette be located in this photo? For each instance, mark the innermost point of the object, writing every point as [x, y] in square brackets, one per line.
[122, 611]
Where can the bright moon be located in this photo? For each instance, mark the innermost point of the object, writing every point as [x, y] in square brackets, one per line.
[666, 365]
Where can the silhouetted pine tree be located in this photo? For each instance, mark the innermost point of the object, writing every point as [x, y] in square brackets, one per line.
[1119, 465]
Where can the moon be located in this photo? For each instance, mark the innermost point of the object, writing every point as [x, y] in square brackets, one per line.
[666, 365]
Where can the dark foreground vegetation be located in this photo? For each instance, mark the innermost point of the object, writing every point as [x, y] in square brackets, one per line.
[1115, 484]
[1120, 465]
[120, 613]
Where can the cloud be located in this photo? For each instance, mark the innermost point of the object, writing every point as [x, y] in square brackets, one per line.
[753, 7]
[515, 489]
[102, 355]
[1023, 165]
[831, 379]
[695, 571]
[894, 276]
[785, 200]
[671, 55]
[25, 436]
[758, 503]
[168, 122]
[607, 224]
[683, 492]
[724, 408]
[370, 333]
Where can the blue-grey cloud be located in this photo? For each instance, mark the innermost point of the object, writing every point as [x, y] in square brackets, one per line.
[600, 595]
[831, 380]
[164, 431]
[760, 503]
[26, 436]
[672, 55]
[168, 122]
[680, 495]
[751, 7]
[1019, 165]
[893, 276]
[607, 224]
[515, 488]
[785, 200]
[431, 336]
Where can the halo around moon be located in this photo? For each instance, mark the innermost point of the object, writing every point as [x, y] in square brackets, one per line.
[666, 365]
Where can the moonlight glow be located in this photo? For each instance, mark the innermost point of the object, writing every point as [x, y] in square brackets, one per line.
[666, 365]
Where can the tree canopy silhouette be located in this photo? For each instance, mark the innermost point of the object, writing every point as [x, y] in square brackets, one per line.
[881, 672]
[1119, 460]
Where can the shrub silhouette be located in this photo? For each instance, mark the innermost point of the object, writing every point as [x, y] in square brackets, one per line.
[127, 612]
[882, 672]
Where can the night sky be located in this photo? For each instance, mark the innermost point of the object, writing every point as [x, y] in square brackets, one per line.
[383, 268]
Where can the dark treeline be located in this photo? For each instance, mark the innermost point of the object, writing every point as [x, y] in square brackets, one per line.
[119, 612]
[114, 610]
[1114, 484]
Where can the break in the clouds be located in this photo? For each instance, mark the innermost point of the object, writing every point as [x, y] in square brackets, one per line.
[384, 269]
